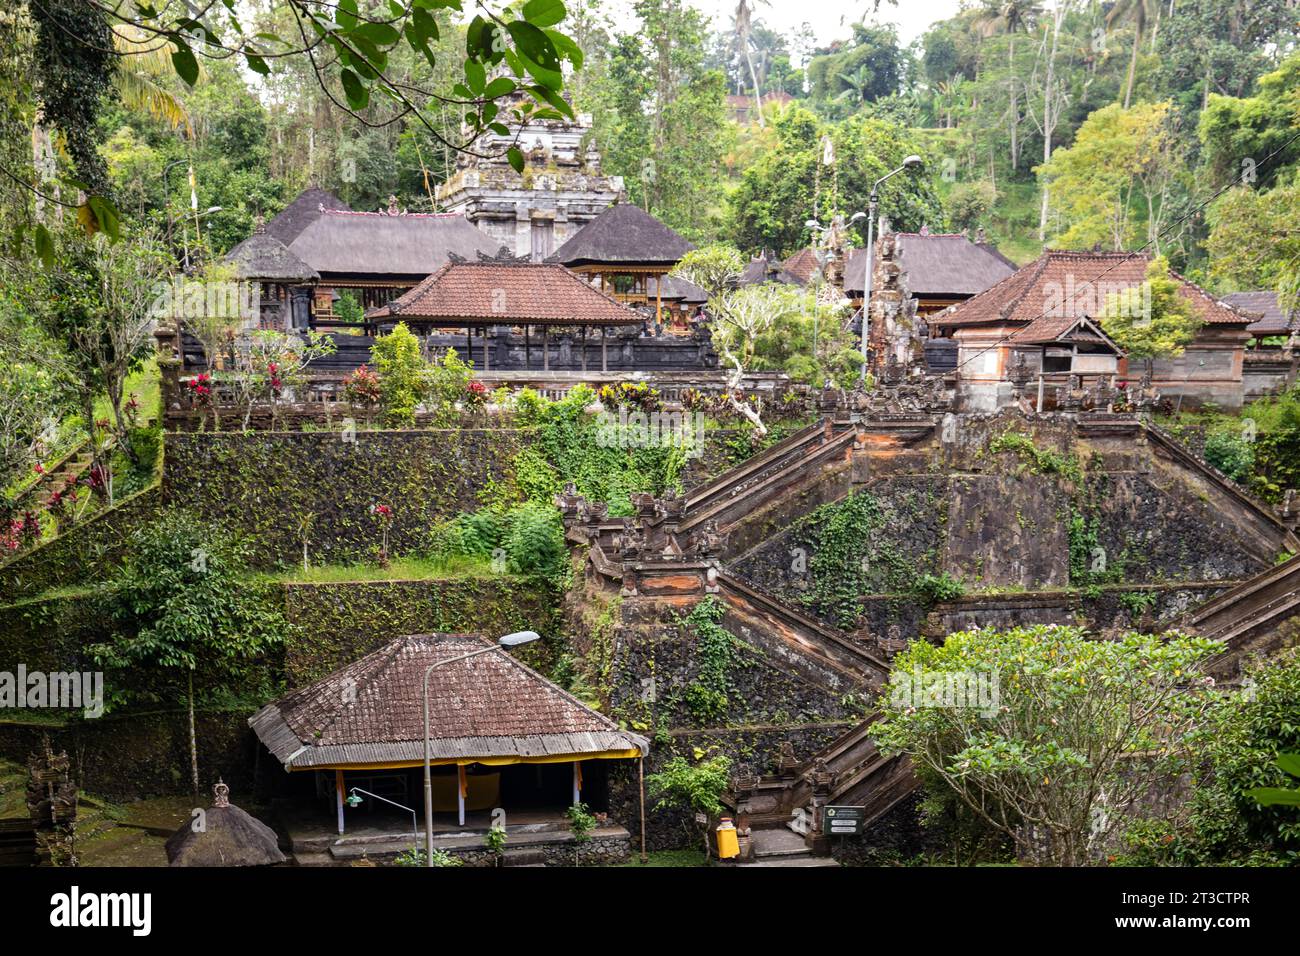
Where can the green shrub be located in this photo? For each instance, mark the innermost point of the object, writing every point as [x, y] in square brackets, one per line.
[400, 368]
[535, 542]
[1231, 454]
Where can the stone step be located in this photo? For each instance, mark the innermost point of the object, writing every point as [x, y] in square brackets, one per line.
[805, 861]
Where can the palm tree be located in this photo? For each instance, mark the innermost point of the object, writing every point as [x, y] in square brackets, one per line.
[1009, 17]
[141, 62]
[857, 84]
[1140, 13]
[744, 28]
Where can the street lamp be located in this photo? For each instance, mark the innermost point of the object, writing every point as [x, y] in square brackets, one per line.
[510, 640]
[910, 163]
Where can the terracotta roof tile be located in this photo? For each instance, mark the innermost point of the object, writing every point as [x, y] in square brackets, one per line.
[1073, 285]
[492, 705]
[539, 293]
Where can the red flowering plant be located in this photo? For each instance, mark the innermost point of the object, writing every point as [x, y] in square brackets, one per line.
[383, 514]
[200, 390]
[361, 387]
[476, 395]
[96, 479]
[29, 531]
[132, 410]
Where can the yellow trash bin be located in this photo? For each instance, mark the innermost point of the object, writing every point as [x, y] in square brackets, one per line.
[728, 844]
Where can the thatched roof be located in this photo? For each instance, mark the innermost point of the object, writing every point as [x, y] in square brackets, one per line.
[676, 289]
[487, 708]
[623, 235]
[1271, 319]
[228, 837]
[302, 212]
[767, 268]
[941, 264]
[262, 256]
[344, 243]
[506, 293]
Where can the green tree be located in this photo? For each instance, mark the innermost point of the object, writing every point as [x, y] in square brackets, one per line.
[714, 268]
[1073, 739]
[694, 788]
[1119, 172]
[790, 184]
[1142, 14]
[1010, 17]
[181, 610]
[1222, 822]
[660, 117]
[1161, 330]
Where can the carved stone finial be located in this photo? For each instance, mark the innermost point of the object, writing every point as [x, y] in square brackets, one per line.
[221, 793]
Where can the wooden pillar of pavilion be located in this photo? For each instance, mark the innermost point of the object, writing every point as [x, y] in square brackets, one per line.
[604, 349]
[584, 349]
[577, 782]
[546, 348]
[461, 786]
[338, 795]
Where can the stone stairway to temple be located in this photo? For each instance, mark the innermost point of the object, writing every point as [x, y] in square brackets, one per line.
[1248, 612]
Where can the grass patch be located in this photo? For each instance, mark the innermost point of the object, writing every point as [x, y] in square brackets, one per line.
[399, 569]
[669, 858]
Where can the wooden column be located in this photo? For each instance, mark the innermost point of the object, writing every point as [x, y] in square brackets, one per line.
[584, 348]
[487, 361]
[577, 782]
[546, 348]
[604, 350]
[461, 784]
[527, 348]
[338, 795]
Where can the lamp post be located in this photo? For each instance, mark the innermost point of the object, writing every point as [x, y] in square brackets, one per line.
[873, 204]
[510, 640]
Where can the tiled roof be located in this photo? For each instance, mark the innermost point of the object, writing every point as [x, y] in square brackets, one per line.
[539, 293]
[1272, 320]
[1058, 328]
[803, 265]
[623, 235]
[1072, 285]
[343, 242]
[936, 264]
[489, 706]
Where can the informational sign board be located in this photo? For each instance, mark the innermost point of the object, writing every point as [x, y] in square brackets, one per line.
[843, 821]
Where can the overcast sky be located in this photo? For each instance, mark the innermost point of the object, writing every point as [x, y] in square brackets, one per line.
[830, 19]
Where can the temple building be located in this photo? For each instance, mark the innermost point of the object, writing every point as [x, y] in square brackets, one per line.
[497, 300]
[624, 252]
[532, 213]
[499, 735]
[1041, 327]
[332, 251]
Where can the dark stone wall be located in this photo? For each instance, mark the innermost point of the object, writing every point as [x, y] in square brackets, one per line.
[269, 484]
[766, 706]
[337, 623]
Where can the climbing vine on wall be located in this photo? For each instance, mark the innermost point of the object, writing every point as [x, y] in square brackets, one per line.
[707, 696]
